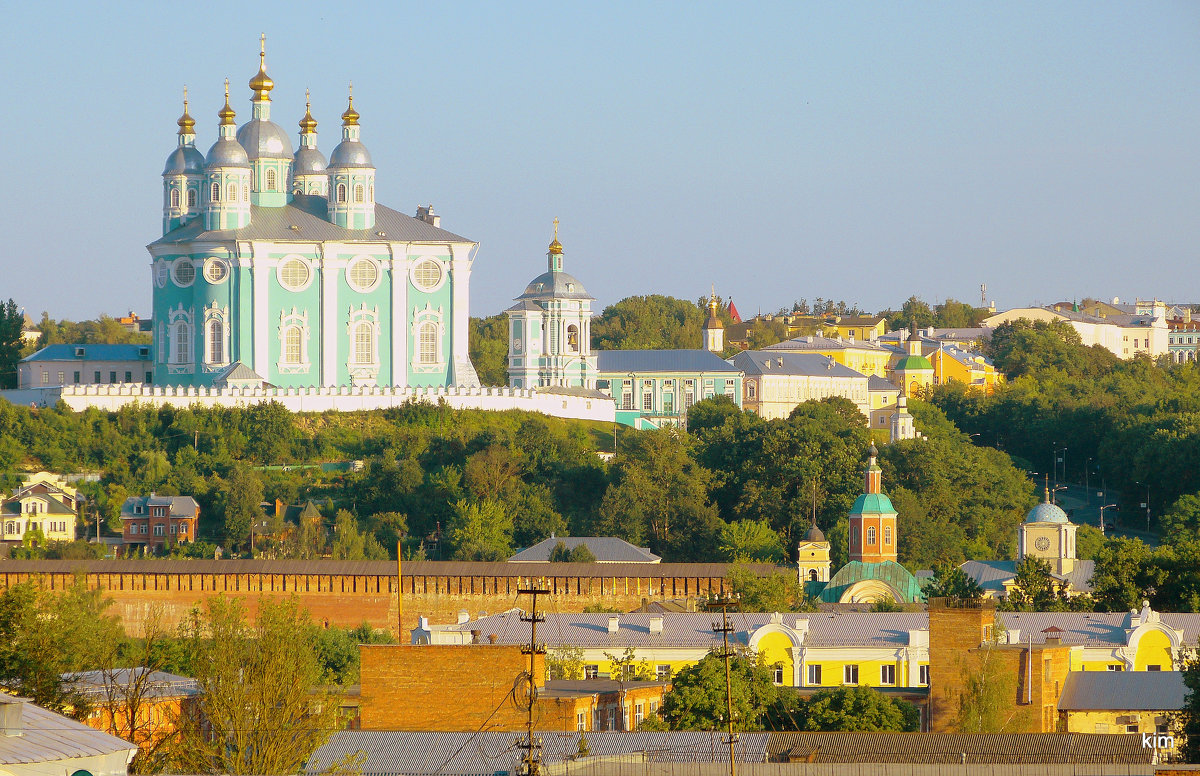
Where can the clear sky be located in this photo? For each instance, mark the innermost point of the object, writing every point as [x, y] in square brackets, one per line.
[859, 151]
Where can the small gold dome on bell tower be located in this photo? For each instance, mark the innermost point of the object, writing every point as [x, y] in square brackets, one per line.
[187, 124]
[227, 114]
[261, 84]
[350, 117]
[555, 245]
[308, 123]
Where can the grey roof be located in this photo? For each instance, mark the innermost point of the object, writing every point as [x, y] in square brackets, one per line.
[309, 213]
[574, 688]
[810, 342]
[91, 353]
[613, 361]
[1123, 691]
[180, 506]
[227, 152]
[237, 371]
[264, 139]
[350, 153]
[694, 629]
[753, 362]
[159, 684]
[958, 748]
[1046, 513]
[557, 285]
[184, 160]
[49, 737]
[992, 574]
[1097, 629]
[525, 304]
[388, 753]
[308, 161]
[877, 383]
[607, 549]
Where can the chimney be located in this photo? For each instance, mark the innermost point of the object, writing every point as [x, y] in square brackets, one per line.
[779, 361]
[427, 215]
[614, 622]
[656, 623]
[423, 623]
[463, 616]
[10, 716]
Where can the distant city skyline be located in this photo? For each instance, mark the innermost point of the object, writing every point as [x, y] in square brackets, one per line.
[864, 152]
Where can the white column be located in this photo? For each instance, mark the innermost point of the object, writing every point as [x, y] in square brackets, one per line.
[400, 322]
[329, 267]
[460, 276]
[261, 274]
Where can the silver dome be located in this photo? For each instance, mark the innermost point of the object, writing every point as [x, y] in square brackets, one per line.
[308, 161]
[227, 152]
[264, 140]
[350, 153]
[184, 160]
[559, 285]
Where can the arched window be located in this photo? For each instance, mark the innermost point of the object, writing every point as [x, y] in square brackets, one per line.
[427, 342]
[246, 193]
[372, 193]
[358, 193]
[812, 575]
[887, 534]
[292, 345]
[573, 338]
[341, 192]
[364, 343]
[870, 534]
[182, 340]
[216, 342]
[215, 194]
[191, 198]
[270, 180]
[174, 197]
[232, 192]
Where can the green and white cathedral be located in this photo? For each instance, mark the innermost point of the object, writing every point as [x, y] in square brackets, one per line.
[282, 263]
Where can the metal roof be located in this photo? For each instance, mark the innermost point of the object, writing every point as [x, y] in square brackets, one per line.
[48, 737]
[889, 572]
[959, 748]
[992, 574]
[91, 353]
[816, 342]
[308, 213]
[607, 549]
[388, 753]
[624, 361]
[786, 363]
[1123, 691]
[877, 383]
[159, 684]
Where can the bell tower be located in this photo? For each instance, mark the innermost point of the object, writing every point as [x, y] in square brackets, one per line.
[873, 535]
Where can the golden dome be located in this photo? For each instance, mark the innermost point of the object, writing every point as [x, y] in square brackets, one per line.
[187, 124]
[308, 123]
[555, 245]
[350, 117]
[261, 84]
[226, 114]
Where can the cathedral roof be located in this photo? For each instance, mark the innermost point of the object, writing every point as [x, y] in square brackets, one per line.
[308, 161]
[1046, 513]
[914, 362]
[264, 139]
[350, 153]
[889, 572]
[558, 285]
[307, 213]
[184, 160]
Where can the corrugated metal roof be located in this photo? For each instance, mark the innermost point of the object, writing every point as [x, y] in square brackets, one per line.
[46, 736]
[992, 574]
[1123, 691]
[91, 353]
[816, 342]
[624, 361]
[159, 684]
[607, 549]
[388, 753]
[308, 213]
[967, 748]
[784, 363]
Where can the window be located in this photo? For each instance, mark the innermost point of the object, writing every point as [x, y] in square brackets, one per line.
[887, 674]
[77, 378]
[294, 274]
[62, 378]
[172, 529]
[182, 340]
[359, 196]
[591, 672]
[158, 530]
[427, 343]
[647, 402]
[662, 672]
[626, 401]
[777, 673]
[96, 377]
[573, 338]
[185, 272]
[341, 192]
[1111, 667]
[215, 271]
[850, 674]
[216, 342]
[191, 197]
[182, 528]
[887, 534]
[293, 345]
[362, 274]
[668, 404]
[215, 194]
[364, 343]
[174, 197]
[813, 675]
[870, 534]
[162, 270]
[246, 193]
[149, 377]
[112, 377]
[270, 180]
[639, 713]
[653, 706]
[579, 721]
[427, 275]
[923, 673]
[1153, 668]
[232, 193]
[612, 719]
[1131, 728]
[128, 377]
[751, 390]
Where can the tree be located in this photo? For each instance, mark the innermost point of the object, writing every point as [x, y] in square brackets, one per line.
[1035, 588]
[577, 554]
[647, 323]
[696, 700]
[751, 541]
[242, 498]
[480, 530]
[12, 321]
[950, 581]
[1189, 718]
[262, 709]
[985, 705]
[628, 668]
[1182, 518]
[1120, 581]
[565, 662]
[777, 592]
[350, 544]
[860, 709]
[488, 348]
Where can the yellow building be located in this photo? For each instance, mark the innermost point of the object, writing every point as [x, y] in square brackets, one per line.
[858, 327]
[43, 503]
[861, 355]
[912, 372]
[776, 382]
[971, 369]
[1123, 703]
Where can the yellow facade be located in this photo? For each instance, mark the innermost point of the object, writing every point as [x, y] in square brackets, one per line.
[858, 328]
[863, 357]
[970, 369]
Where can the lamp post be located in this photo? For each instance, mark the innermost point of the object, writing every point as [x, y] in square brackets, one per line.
[1106, 506]
[1087, 481]
[1056, 489]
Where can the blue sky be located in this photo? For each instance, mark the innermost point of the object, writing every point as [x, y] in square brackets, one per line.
[860, 151]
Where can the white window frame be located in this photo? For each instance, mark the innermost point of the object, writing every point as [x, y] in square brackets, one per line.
[359, 261]
[214, 314]
[181, 327]
[850, 675]
[812, 675]
[887, 674]
[425, 320]
[425, 261]
[363, 371]
[290, 260]
[298, 321]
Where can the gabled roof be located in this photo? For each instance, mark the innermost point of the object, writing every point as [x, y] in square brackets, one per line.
[607, 549]
[1123, 691]
[180, 506]
[613, 361]
[239, 372]
[815, 342]
[754, 362]
[876, 383]
[91, 353]
[959, 748]
[308, 212]
[48, 737]
[158, 684]
[992, 574]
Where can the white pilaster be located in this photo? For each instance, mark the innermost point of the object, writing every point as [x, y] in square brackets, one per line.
[399, 323]
[329, 267]
[460, 276]
[261, 274]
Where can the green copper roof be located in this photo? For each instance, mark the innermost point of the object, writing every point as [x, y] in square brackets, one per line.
[871, 503]
[888, 572]
[914, 362]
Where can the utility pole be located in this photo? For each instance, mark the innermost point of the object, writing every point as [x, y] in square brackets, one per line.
[724, 604]
[532, 761]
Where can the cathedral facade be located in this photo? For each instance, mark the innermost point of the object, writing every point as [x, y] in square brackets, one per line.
[279, 267]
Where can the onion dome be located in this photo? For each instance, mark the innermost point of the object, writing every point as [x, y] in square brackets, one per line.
[227, 113]
[814, 534]
[261, 84]
[873, 451]
[308, 124]
[187, 124]
[1047, 512]
[713, 321]
[264, 139]
[227, 151]
[350, 115]
[186, 158]
[350, 152]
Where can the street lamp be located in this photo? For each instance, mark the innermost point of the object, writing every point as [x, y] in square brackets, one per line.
[1087, 480]
[1056, 489]
[1106, 506]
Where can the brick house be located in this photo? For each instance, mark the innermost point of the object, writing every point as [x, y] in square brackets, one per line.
[155, 521]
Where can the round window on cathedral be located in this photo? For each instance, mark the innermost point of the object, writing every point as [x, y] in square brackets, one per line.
[428, 275]
[362, 274]
[295, 274]
[215, 271]
[184, 272]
